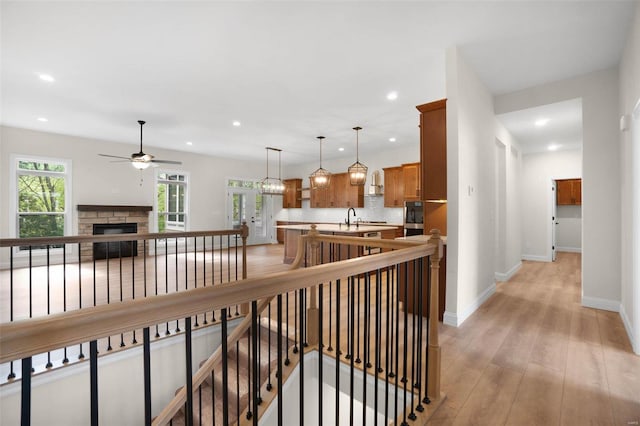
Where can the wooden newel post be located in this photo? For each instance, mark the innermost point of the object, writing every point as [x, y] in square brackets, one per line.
[244, 308]
[433, 385]
[312, 310]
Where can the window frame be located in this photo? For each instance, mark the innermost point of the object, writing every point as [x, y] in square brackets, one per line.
[186, 184]
[15, 171]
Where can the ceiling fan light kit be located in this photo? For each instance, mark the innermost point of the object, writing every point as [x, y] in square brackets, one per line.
[357, 171]
[321, 177]
[140, 160]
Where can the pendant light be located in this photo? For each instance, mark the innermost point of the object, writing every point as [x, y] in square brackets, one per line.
[357, 171]
[270, 185]
[321, 177]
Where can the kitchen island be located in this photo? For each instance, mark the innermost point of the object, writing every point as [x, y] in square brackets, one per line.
[293, 232]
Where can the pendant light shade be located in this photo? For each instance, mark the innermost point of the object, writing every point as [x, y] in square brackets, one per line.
[321, 177]
[357, 171]
[271, 185]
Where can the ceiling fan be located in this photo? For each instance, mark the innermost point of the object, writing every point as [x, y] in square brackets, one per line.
[140, 160]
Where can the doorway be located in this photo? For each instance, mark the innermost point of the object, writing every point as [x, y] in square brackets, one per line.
[248, 204]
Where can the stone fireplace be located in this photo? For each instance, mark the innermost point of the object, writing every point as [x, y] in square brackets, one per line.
[90, 215]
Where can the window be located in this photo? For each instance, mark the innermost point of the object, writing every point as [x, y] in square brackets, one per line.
[171, 201]
[42, 197]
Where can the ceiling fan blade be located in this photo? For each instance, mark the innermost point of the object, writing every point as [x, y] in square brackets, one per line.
[114, 156]
[166, 161]
[120, 161]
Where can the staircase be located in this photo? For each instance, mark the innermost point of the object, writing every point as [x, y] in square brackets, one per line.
[210, 394]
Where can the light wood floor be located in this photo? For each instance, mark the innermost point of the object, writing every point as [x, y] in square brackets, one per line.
[532, 355]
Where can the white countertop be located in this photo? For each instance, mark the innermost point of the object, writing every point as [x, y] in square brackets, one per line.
[339, 229]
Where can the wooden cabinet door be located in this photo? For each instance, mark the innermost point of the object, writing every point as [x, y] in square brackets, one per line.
[318, 197]
[569, 192]
[291, 199]
[353, 195]
[433, 150]
[336, 194]
[393, 187]
[411, 174]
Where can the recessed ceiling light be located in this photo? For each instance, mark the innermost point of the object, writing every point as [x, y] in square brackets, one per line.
[236, 123]
[340, 149]
[189, 143]
[46, 77]
[553, 147]
[392, 139]
[392, 96]
[43, 119]
[542, 122]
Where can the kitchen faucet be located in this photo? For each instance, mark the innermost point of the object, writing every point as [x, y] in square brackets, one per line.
[348, 219]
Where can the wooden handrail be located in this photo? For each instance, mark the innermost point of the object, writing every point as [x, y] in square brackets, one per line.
[39, 241]
[24, 338]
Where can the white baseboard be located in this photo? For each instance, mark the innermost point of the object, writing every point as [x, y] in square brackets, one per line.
[598, 303]
[627, 325]
[570, 249]
[506, 276]
[455, 320]
[535, 258]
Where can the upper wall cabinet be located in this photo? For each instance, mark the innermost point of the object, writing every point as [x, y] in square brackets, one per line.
[412, 184]
[433, 149]
[339, 194]
[393, 187]
[292, 197]
[569, 192]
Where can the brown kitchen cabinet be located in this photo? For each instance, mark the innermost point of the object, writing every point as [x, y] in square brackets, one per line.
[393, 187]
[569, 192]
[292, 197]
[411, 177]
[433, 150]
[339, 194]
[406, 274]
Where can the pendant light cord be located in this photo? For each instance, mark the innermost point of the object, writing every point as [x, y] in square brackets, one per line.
[357, 129]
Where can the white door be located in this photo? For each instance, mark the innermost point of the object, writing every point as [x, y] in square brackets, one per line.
[250, 206]
[554, 221]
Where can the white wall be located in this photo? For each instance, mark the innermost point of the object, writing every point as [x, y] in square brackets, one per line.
[601, 181]
[373, 206]
[471, 190]
[97, 181]
[630, 185]
[509, 222]
[538, 170]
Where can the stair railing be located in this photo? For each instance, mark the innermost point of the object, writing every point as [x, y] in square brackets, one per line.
[26, 338]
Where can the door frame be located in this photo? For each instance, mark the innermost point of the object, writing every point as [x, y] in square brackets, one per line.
[267, 213]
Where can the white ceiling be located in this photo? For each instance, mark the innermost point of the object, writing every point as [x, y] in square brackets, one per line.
[562, 129]
[289, 71]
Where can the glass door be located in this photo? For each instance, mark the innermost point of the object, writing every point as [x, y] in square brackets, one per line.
[250, 206]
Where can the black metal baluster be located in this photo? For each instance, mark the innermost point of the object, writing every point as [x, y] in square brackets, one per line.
[120, 271]
[397, 345]
[367, 317]
[176, 273]
[358, 360]
[417, 385]
[200, 405]
[81, 355]
[279, 374]
[405, 341]
[256, 360]
[25, 399]
[338, 352]
[93, 374]
[146, 343]
[351, 350]
[269, 385]
[388, 347]
[166, 277]
[249, 373]
[238, 381]
[377, 349]
[330, 348]
[49, 364]
[220, 258]
[365, 341]
[213, 271]
[12, 374]
[188, 371]
[301, 362]
[204, 271]
[133, 282]
[349, 304]
[426, 399]
[213, 399]
[412, 414]
[155, 272]
[320, 377]
[65, 360]
[391, 293]
[303, 307]
[30, 282]
[295, 322]
[286, 359]
[225, 369]
[108, 290]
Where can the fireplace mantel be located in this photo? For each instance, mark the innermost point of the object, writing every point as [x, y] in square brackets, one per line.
[112, 208]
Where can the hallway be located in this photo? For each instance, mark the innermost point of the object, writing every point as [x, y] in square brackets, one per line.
[532, 355]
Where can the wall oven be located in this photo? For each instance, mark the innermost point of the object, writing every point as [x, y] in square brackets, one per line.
[413, 218]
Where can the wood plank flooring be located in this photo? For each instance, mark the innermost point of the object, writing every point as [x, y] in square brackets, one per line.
[532, 355]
